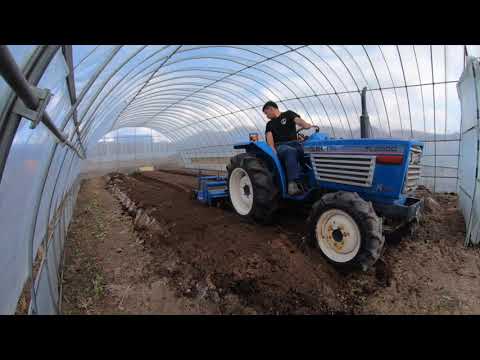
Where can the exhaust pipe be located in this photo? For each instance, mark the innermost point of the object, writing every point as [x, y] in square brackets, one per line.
[365, 129]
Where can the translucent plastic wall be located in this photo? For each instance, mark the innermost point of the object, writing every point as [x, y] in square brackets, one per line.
[469, 177]
[37, 189]
[197, 101]
[127, 149]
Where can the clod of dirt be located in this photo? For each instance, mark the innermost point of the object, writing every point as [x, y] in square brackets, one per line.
[431, 204]
[383, 273]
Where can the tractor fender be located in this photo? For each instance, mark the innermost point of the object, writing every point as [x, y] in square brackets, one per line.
[264, 151]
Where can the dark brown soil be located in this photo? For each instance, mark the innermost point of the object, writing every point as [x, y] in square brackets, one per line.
[209, 255]
[107, 268]
[219, 254]
[431, 272]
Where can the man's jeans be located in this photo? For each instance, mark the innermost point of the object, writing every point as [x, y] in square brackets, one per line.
[291, 153]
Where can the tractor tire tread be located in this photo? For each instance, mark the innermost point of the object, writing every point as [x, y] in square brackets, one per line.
[265, 191]
[370, 224]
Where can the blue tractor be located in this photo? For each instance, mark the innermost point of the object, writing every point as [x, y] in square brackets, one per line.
[358, 189]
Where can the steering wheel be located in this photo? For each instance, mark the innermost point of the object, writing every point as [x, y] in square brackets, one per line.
[302, 137]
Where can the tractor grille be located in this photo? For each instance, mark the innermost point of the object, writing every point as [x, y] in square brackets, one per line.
[414, 169]
[344, 169]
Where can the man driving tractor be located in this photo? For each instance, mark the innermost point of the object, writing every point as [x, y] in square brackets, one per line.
[281, 135]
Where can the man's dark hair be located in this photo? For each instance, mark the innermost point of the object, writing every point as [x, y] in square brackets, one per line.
[269, 104]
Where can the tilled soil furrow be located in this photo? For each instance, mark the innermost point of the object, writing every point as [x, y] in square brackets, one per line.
[238, 260]
[209, 255]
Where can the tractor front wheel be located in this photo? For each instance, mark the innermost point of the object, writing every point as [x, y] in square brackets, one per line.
[346, 230]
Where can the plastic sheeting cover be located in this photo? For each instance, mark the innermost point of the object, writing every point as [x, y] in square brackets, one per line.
[469, 197]
[204, 98]
[20, 186]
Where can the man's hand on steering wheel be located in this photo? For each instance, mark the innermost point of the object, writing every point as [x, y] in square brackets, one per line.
[303, 137]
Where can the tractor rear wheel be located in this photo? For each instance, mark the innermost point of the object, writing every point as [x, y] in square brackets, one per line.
[347, 230]
[251, 188]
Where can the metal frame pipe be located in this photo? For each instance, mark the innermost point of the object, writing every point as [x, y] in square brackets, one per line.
[24, 91]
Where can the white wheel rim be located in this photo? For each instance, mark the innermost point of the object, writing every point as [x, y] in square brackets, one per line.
[338, 235]
[241, 191]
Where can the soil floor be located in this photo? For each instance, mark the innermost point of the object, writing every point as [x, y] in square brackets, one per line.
[207, 260]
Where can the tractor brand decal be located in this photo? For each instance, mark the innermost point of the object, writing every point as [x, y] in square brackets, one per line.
[383, 188]
[355, 149]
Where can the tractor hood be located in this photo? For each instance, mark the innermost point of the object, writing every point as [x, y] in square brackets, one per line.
[384, 170]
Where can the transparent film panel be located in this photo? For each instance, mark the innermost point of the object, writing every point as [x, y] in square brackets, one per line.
[346, 57]
[53, 261]
[47, 193]
[445, 184]
[417, 108]
[325, 120]
[54, 79]
[406, 112]
[19, 188]
[428, 100]
[468, 96]
[453, 115]
[104, 77]
[307, 75]
[291, 74]
[440, 111]
[229, 129]
[45, 303]
[111, 89]
[441, 148]
[59, 187]
[141, 64]
[87, 66]
[454, 62]
[319, 117]
[378, 106]
[450, 161]
[466, 171]
[322, 77]
[104, 123]
[409, 65]
[425, 60]
[337, 117]
[438, 60]
[5, 91]
[255, 121]
[360, 62]
[473, 50]
[21, 54]
[81, 53]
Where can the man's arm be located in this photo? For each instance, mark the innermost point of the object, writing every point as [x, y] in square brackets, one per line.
[302, 123]
[270, 141]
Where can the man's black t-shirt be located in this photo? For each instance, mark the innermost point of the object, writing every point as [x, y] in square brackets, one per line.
[283, 127]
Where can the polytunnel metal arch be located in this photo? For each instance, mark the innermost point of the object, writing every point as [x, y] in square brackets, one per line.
[154, 98]
[194, 92]
[242, 69]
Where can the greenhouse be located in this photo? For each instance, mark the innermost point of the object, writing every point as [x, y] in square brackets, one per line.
[138, 127]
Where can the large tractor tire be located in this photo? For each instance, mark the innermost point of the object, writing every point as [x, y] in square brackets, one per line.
[346, 230]
[251, 188]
